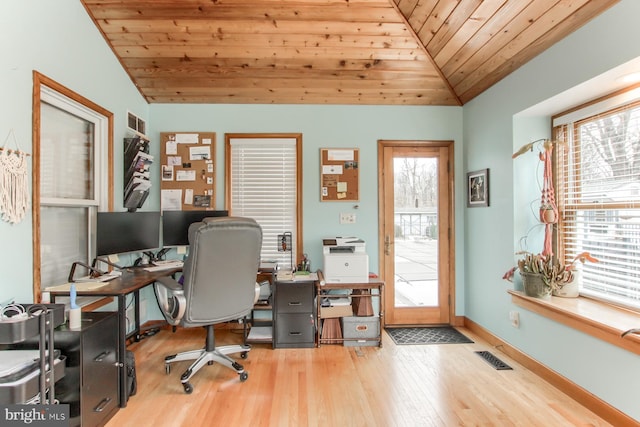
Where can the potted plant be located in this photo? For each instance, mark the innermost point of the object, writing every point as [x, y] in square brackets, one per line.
[571, 288]
[541, 274]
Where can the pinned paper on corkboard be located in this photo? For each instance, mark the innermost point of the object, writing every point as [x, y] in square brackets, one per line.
[188, 171]
[339, 174]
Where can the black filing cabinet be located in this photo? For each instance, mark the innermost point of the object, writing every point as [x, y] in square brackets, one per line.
[294, 318]
[90, 385]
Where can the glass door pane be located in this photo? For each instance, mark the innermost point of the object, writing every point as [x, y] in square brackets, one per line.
[416, 231]
[415, 211]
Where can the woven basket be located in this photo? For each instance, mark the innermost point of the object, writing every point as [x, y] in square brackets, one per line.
[534, 286]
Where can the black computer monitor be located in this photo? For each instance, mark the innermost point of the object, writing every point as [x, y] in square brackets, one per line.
[175, 225]
[122, 232]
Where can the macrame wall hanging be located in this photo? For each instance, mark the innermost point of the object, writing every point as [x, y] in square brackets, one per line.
[14, 191]
[548, 208]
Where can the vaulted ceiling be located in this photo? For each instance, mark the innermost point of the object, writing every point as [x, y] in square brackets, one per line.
[362, 52]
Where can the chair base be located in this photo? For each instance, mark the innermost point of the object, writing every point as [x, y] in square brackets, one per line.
[207, 356]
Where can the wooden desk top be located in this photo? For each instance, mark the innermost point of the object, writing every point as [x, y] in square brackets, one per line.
[372, 283]
[132, 279]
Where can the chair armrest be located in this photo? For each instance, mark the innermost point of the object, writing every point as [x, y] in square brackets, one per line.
[170, 283]
[171, 300]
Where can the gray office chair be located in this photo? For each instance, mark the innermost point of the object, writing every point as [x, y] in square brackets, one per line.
[219, 286]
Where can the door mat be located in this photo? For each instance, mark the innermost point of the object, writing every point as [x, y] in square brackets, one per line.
[427, 335]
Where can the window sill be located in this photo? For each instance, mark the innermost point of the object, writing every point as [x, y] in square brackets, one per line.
[592, 317]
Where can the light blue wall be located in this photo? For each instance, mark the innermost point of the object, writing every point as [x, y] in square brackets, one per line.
[494, 128]
[322, 127]
[57, 39]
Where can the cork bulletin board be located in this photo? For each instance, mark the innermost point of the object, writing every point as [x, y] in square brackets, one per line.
[188, 170]
[339, 174]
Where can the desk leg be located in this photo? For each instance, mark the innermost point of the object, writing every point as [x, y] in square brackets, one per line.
[122, 349]
[136, 301]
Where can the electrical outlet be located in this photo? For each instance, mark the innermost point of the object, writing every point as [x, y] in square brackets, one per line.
[514, 316]
[347, 218]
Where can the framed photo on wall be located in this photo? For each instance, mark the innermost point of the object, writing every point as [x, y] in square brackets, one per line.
[478, 188]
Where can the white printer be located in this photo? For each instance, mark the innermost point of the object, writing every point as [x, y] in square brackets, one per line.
[345, 260]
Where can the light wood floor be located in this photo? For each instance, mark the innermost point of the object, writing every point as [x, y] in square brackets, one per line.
[427, 385]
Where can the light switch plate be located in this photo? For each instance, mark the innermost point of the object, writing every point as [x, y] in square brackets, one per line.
[347, 218]
[514, 316]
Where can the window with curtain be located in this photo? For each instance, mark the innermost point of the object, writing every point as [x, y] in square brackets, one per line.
[263, 182]
[598, 174]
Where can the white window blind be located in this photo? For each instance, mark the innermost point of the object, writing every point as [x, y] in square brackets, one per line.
[599, 185]
[263, 187]
[73, 182]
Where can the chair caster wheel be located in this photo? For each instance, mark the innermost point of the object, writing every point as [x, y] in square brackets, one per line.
[188, 388]
[244, 354]
[167, 369]
[244, 376]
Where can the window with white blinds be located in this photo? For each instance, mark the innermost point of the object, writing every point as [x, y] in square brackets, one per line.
[262, 184]
[598, 174]
[73, 182]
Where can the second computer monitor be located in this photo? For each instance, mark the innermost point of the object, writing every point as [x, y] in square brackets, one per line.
[123, 232]
[175, 225]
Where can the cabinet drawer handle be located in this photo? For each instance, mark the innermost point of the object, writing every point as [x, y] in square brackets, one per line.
[295, 333]
[295, 303]
[103, 404]
[101, 356]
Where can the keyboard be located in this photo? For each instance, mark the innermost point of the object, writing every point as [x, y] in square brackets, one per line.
[165, 265]
[166, 261]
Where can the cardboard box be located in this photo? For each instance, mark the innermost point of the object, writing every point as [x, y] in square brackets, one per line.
[336, 311]
[361, 328]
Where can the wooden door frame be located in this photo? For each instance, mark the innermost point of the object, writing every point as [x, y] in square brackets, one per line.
[451, 198]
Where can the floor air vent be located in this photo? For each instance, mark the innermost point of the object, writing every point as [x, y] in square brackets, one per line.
[493, 361]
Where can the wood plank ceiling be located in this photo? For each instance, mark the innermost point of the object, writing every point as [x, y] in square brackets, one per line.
[363, 52]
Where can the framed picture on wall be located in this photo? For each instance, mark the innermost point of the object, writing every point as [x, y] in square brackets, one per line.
[478, 188]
